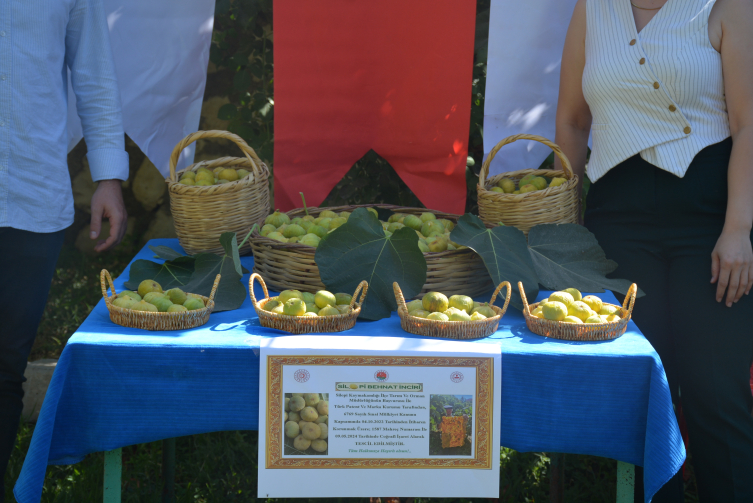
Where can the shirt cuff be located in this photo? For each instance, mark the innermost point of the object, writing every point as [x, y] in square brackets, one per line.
[108, 164]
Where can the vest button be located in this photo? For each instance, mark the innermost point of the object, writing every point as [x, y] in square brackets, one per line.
[656, 85]
[642, 61]
[632, 42]
[686, 130]
[672, 108]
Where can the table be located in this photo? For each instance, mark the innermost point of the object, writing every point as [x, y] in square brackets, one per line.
[115, 386]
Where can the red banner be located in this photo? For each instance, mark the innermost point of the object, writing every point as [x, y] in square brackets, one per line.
[389, 75]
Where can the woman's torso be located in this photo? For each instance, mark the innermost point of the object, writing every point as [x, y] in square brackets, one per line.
[659, 92]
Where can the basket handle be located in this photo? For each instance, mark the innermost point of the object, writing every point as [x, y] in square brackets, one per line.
[526, 309]
[258, 278]
[247, 151]
[214, 287]
[362, 287]
[566, 167]
[399, 296]
[102, 275]
[499, 289]
[630, 297]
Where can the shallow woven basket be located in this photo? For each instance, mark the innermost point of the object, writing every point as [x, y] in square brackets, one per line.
[580, 331]
[156, 321]
[451, 329]
[202, 214]
[306, 324]
[553, 205]
[292, 265]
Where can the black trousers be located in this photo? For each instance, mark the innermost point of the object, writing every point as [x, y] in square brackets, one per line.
[27, 264]
[661, 230]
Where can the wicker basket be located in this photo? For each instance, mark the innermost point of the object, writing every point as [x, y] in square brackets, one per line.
[553, 205]
[292, 265]
[451, 329]
[580, 331]
[202, 214]
[156, 321]
[306, 324]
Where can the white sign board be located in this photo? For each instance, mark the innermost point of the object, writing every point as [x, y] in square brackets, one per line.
[344, 416]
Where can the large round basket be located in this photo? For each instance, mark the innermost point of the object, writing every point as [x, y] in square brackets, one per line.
[203, 213]
[306, 324]
[580, 331]
[553, 205]
[292, 265]
[451, 329]
[156, 321]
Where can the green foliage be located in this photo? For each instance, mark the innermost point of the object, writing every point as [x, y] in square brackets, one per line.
[359, 250]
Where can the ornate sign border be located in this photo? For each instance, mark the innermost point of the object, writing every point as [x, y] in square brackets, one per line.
[484, 403]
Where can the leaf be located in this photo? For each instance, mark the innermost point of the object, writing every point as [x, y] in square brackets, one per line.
[568, 256]
[359, 250]
[165, 252]
[505, 253]
[227, 111]
[230, 292]
[173, 273]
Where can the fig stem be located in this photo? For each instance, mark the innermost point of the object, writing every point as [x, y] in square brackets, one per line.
[304, 203]
[248, 235]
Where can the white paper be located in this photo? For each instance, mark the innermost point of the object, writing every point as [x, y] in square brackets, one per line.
[380, 412]
[525, 50]
[161, 52]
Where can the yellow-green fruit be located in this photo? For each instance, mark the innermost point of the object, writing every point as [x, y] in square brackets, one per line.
[613, 318]
[572, 319]
[291, 429]
[152, 296]
[536, 312]
[286, 295]
[204, 170]
[594, 319]
[193, 304]
[311, 431]
[343, 308]
[144, 306]
[554, 310]
[579, 309]
[301, 443]
[310, 240]
[294, 239]
[437, 244]
[336, 222]
[395, 226]
[344, 214]
[557, 181]
[328, 214]
[438, 317]
[271, 304]
[329, 311]
[177, 308]
[323, 223]
[147, 286]
[187, 181]
[343, 298]
[462, 302]
[435, 302]
[124, 302]
[539, 182]
[318, 230]
[277, 237]
[277, 309]
[293, 395]
[498, 189]
[507, 185]
[593, 302]
[322, 408]
[319, 445]
[216, 171]
[516, 192]
[162, 304]
[426, 216]
[457, 315]
[311, 399]
[413, 222]
[204, 177]
[294, 307]
[243, 173]
[323, 298]
[447, 224]
[293, 416]
[287, 405]
[228, 174]
[306, 225]
[607, 309]
[487, 311]
[266, 229]
[526, 179]
[420, 313]
[395, 217]
[323, 427]
[309, 413]
[205, 183]
[414, 305]
[563, 297]
[574, 292]
[188, 174]
[277, 219]
[176, 296]
[297, 403]
[293, 230]
[128, 293]
[476, 316]
[423, 246]
[528, 188]
[373, 211]
[221, 181]
[432, 226]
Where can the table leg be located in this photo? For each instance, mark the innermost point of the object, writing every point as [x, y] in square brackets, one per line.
[113, 475]
[625, 482]
[556, 477]
[168, 470]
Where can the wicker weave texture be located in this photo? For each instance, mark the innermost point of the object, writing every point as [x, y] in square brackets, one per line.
[451, 329]
[155, 321]
[306, 324]
[580, 331]
[549, 206]
[203, 213]
[292, 265]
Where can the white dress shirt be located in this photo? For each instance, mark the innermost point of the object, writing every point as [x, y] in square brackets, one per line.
[40, 40]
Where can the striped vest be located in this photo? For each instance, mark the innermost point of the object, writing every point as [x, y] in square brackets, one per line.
[659, 93]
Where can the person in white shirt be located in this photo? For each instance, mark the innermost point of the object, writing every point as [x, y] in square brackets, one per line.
[666, 88]
[40, 42]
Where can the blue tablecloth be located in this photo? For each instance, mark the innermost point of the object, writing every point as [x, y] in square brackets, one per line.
[116, 386]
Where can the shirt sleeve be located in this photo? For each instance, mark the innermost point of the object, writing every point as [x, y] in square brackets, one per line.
[89, 57]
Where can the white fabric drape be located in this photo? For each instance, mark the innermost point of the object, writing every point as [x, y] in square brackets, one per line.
[525, 50]
[161, 53]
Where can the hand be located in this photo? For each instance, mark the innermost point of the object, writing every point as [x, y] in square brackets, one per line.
[732, 265]
[107, 202]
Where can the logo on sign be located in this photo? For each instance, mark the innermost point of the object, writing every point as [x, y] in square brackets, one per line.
[381, 375]
[301, 375]
[456, 376]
